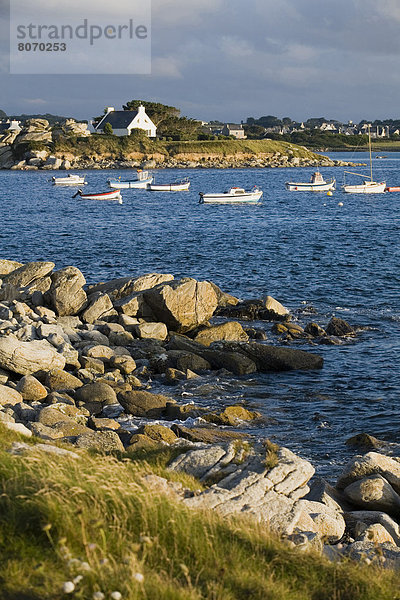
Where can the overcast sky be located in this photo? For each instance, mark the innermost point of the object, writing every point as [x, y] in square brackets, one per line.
[231, 59]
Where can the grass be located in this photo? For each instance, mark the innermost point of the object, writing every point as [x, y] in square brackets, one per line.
[94, 520]
[121, 147]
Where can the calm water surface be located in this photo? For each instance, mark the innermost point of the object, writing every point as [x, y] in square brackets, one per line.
[302, 248]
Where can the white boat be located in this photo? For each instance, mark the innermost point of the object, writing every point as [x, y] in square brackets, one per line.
[141, 182]
[176, 186]
[233, 196]
[70, 180]
[316, 184]
[369, 186]
[113, 195]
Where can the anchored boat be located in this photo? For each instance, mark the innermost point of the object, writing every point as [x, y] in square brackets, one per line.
[369, 186]
[316, 184]
[235, 195]
[70, 180]
[141, 182]
[113, 195]
[176, 186]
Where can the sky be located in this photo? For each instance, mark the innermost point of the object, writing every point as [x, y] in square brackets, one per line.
[231, 59]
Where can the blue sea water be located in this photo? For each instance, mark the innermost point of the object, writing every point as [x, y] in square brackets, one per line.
[301, 248]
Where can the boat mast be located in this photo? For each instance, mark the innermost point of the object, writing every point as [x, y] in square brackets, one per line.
[370, 151]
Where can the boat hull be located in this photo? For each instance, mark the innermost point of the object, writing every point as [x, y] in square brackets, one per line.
[225, 198]
[134, 184]
[368, 187]
[115, 195]
[169, 187]
[310, 187]
[69, 181]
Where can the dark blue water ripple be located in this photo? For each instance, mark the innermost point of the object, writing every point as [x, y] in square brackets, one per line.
[301, 248]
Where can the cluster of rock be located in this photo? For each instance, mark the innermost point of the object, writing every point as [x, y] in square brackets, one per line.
[37, 130]
[68, 350]
[358, 518]
[72, 355]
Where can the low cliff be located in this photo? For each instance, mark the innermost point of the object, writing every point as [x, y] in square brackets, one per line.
[39, 146]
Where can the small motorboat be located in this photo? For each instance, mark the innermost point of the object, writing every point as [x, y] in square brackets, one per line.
[176, 186]
[141, 182]
[113, 195]
[70, 180]
[316, 184]
[393, 188]
[234, 195]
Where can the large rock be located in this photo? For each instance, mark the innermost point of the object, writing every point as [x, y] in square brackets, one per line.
[7, 266]
[274, 306]
[275, 359]
[27, 273]
[143, 404]
[231, 331]
[66, 295]
[370, 464]
[26, 358]
[249, 483]
[360, 520]
[339, 327]
[99, 304]
[236, 362]
[9, 396]
[58, 379]
[182, 305]
[156, 331]
[31, 389]
[95, 396]
[125, 286]
[374, 493]
[102, 441]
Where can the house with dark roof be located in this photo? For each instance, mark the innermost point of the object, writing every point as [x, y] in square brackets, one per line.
[123, 121]
[233, 129]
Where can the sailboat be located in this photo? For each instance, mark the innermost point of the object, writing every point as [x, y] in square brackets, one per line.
[369, 186]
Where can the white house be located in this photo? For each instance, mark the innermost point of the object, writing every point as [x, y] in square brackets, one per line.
[123, 121]
[233, 129]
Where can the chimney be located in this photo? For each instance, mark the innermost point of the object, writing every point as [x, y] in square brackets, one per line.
[109, 109]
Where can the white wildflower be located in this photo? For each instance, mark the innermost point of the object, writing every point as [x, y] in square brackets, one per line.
[116, 595]
[138, 577]
[98, 596]
[68, 587]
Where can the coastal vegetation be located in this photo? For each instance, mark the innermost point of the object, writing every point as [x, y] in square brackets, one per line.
[77, 526]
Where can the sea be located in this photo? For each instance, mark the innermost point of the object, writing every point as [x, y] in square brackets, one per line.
[320, 256]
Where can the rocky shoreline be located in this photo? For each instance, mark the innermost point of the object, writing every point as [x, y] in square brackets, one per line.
[32, 149]
[77, 359]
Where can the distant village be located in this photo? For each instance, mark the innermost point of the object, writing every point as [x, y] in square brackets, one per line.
[124, 122]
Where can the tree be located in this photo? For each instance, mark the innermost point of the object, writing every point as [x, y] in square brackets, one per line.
[167, 119]
[156, 111]
[107, 129]
[269, 121]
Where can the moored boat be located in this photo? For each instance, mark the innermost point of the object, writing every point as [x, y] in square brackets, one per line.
[369, 186]
[141, 182]
[316, 184]
[113, 195]
[70, 180]
[393, 188]
[176, 186]
[234, 195]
